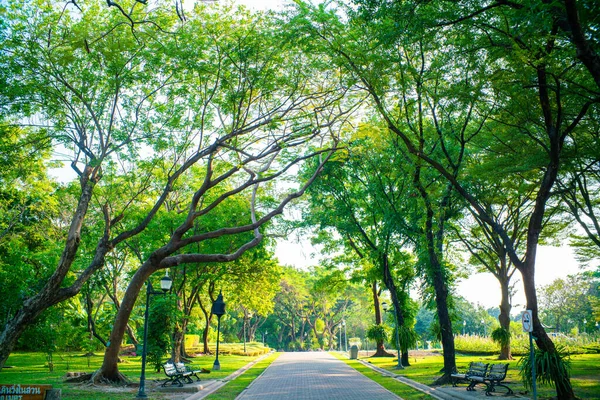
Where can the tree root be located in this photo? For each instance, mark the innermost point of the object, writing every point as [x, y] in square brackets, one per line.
[383, 353]
[442, 380]
[120, 379]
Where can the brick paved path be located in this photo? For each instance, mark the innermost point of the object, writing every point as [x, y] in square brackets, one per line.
[313, 376]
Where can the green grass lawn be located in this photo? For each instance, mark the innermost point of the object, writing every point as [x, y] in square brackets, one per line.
[32, 368]
[233, 388]
[585, 372]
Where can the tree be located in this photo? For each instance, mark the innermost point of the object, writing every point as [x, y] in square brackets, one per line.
[361, 202]
[567, 299]
[526, 64]
[139, 110]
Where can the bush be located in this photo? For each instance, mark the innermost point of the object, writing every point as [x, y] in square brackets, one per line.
[377, 333]
[549, 368]
[475, 345]
[501, 336]
[161, 321]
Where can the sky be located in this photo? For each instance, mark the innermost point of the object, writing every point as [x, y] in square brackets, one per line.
[483, 289]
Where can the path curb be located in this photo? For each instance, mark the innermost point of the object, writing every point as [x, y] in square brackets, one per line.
[220, 383]
[415, 385]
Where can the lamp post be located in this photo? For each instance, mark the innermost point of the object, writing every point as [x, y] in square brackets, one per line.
[218, 309]
[384, 305]
[584, 322]
[264, 335]
[165, 285]
[484, 328]
[340, 336]
[464, 326]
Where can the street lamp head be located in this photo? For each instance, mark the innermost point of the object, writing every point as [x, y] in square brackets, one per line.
[165, 283]
[464, 323]
[384, 305]
[218, 307]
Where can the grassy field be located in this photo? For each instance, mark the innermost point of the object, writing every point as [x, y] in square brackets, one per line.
[585, 373]
[233, 388]
[32, 368]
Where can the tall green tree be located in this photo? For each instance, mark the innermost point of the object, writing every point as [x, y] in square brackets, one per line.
[136, 107]
[516, 65]
[363, 198]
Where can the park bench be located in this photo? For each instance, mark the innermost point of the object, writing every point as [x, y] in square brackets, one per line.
[494, 376]
[174, 376]
[476, 368]
[188, 373]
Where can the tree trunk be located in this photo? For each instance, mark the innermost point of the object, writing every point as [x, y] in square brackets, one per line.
[404, 358]
[52, 293]
[178, 341]
[441, 301]
[109, 371]
[564, 390]
[379, 346]
[399, 313]
[504, 318]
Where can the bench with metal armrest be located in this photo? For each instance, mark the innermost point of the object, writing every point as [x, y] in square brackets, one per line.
[476, 368]
[174, 375]
[494, 377]
[181, 367]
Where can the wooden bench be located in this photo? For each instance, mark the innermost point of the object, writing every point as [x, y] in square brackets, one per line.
[476, 368]
[174, 376]
[182, 368]
[494, 376]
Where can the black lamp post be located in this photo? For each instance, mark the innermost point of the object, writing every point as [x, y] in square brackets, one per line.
[384, 305]
[165, 285]
[218, 309]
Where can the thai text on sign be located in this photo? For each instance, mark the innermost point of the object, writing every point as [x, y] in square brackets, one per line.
[23, 392]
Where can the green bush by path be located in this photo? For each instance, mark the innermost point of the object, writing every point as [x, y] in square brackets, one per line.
[519, 344]
[253, 349]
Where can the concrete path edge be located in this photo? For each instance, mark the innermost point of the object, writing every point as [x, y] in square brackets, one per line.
[415, 385]
[220, 383]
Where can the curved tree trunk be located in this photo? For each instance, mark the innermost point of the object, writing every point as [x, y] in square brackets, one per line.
[52, 292]
[379, 347]
[564, 390]
[504, 318]
[109, 371]
[399, 312]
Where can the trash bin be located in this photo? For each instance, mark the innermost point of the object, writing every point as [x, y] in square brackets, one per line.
[354, 352]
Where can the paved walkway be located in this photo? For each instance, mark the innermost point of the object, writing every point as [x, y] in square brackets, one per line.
[313, 376]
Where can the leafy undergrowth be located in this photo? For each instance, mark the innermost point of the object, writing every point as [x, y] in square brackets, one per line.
[474, 344]
[253, 349]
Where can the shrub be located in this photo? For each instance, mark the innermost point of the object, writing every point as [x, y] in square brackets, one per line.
[377, 333]
[549, 367]
[501, 336]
